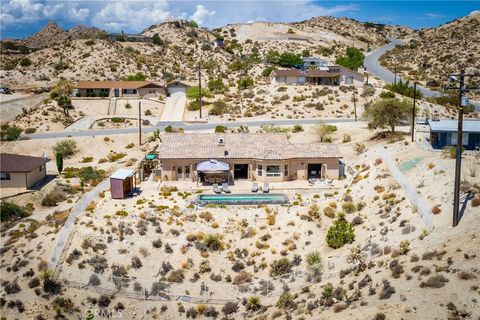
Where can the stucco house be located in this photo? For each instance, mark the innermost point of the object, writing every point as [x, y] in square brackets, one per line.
[331, 75]
[20, 171]
[252, 156]
[118, 88]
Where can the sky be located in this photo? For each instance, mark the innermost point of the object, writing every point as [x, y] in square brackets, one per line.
[19, 18]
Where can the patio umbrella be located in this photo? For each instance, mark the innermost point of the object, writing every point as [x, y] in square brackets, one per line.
[212, 166]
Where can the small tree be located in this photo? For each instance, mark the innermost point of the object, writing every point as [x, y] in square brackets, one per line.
[216, 85]
[323, 130]
[244, 82]
[193, 24]
[290, 60]
[385, 113]
[61, 94]
[156, 39]
[59, 161]
[352, 60]
[340, 233]
[65, 147]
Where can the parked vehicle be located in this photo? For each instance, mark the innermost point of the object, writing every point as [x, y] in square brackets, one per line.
[5, 90]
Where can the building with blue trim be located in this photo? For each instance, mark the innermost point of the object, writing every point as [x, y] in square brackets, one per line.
[443, 133]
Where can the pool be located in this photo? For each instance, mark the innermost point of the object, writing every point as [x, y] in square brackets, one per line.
[242, 199]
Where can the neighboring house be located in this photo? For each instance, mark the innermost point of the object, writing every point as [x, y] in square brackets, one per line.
[176, 86]
[331, 75]
[218, 43]
[252, 156]
[118, 88]
[128, 37]
[444, 133]
[317, 63]
[289, 76]
[18, 171]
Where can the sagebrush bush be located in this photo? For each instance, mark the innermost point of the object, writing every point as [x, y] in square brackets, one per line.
[280, 267]
[340, 233]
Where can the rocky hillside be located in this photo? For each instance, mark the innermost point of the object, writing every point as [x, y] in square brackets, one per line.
[431, 54]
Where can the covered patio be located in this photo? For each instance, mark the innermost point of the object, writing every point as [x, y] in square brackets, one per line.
[213, 171]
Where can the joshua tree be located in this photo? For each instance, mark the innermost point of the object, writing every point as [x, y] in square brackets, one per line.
[61, 93]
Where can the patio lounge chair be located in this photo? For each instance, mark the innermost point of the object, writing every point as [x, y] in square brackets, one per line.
[225, 187]
[255, 187]
[216, 188]
[266, 188]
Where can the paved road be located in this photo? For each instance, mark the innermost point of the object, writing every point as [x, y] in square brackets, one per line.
[373, 66]
[174, 107]
[188, 127]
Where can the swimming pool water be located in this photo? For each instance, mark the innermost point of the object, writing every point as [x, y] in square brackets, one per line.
[245, 199]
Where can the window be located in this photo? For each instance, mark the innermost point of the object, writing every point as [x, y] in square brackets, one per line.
[105, 90]
[348, 80]
[274, 171]
[187, 172]
[40, 169]
[259, 170]
[4, 176]
[89, 90]
[285, 171]
[129, 91]
[281, 79]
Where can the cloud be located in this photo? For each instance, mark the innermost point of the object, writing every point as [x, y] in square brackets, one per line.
[27, 11]
[434, 15]
[201, 14]
[131, 16]
[78, 15]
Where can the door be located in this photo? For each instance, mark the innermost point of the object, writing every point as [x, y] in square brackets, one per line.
[314, 170]
[173, 90]
[240, 171]
[117, 92]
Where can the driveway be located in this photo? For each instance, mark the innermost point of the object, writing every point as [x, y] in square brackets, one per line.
[174, 107]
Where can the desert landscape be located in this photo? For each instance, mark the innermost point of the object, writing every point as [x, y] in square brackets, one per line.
[116, 227]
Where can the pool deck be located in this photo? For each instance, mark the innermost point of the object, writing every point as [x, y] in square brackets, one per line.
[245, 186]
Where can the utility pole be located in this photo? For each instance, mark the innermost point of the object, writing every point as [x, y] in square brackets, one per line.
[414, 109]
[200, 90]
[395, 74]
[458, 154]
[139, 123]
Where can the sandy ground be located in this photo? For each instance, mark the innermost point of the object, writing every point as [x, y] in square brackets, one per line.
[291, 234]
[13, 104]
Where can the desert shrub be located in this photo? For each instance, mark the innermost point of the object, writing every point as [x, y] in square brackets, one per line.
[476, 201]
[10, 133]
[253, 303]
[360, 148]
[280, 267]
[52, 198]
[329, 212]
[229, 308]
[314, 211]
[65, 147]
[387, 290]
[346, 138]
[93, 280]
[404, 247]
[11, 287]
[11, 211]
[387, 95]
[210, 312]
[176, 276]
[349, 207]
[220, 129]
[25, 62]
[368, 92]
[436, 209]
[136, 262]
[285, 301]
[213, 242]
[465, 275]
[314, 260]
[340, 233]
[219, 108]
[242, 278]
[191, 313]
[34, 282]
[436, 281]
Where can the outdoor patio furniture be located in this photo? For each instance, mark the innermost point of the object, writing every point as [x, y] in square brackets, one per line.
[255, 187]
[225, 187]
[266, 188]
[216, 188]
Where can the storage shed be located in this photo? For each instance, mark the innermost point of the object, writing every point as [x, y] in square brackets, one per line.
[122, 183]
[444, 133]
